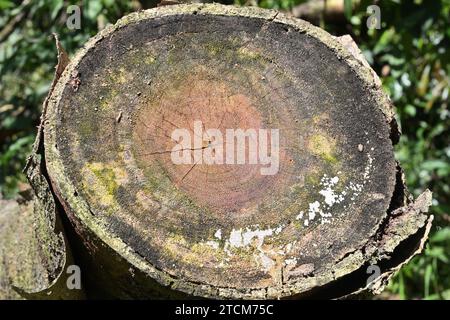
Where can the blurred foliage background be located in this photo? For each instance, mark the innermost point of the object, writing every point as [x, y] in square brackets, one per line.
[410, 52]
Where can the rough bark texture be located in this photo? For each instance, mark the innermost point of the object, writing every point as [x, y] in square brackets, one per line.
[33, 251]
[141, 226]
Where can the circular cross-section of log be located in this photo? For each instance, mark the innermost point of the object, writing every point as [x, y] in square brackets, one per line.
[220, 149]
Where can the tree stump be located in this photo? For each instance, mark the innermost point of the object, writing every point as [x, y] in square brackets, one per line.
[213, 151]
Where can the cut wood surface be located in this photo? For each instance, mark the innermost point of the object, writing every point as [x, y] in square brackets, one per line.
[330, 203]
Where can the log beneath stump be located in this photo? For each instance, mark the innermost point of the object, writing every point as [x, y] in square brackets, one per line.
[34, 255]
[148, 227]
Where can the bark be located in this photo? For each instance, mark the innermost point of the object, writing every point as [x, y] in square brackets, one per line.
[142, 226]
[33, 251]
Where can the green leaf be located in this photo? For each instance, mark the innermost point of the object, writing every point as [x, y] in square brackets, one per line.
[348, 10]
[427, 280]
[441, 235]
[438, 253]
[6, 4]
[384, 40]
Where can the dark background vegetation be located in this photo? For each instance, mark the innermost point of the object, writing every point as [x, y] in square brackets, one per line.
[410, 52]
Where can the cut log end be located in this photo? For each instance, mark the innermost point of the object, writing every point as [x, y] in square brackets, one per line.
[222, 152]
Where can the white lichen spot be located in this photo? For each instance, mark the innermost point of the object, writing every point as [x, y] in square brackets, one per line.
[290, 261]
[213, 244]
[218, 234]
[266, 262]
[236, 238]
[278, 229]
[242, 238]
[331, 197]
[288, 247]
[313, 209]
[324, 207]
[249, 238]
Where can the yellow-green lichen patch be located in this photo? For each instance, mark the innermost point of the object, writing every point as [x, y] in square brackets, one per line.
[321, 118]
[194, 254]
[323, 146]
[312, 177]
[121, 76]
[85, 129]
[106, 103]
[103, 181]
[246, 53]
[215, 48]
[149, 59]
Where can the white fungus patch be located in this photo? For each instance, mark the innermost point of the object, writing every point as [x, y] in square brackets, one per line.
[290, 261]
[213, 244]
[331, 197]
[321, 209]
[243, 238]
[288, 247]
[236, 238]
[314, 208]
[247, 238]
